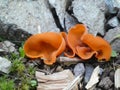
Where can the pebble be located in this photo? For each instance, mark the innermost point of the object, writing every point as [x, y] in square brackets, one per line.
[88, 72]
[7, 46]
[113, 22]
[105, 83]
[79, 69]
[5, 65]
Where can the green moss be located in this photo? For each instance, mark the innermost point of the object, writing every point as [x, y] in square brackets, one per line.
[21, 51]
[17, 66]
[6, 84]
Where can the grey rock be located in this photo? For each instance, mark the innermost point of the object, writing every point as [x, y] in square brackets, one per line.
[113, 22]
[112, 36]
[60, 7]
[69, 21]
[5, 65]
[12, 33]
[88, 72]
[118, 14]
[105, 83]
[79, 69]
[32, 16]
[90, 13]
[112, 5]
[116, 3]
[7, 46]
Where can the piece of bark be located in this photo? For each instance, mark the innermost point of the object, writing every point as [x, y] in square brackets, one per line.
[68, 61]
[73, 83]
[117, 78]
[55, 81]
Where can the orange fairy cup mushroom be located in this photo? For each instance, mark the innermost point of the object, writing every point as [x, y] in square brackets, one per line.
[85, 45]
[74, 38]
[99, 45]
[76, 44]
[46, 46]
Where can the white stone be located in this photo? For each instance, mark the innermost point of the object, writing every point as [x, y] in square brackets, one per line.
[5, 65]
[79, 69]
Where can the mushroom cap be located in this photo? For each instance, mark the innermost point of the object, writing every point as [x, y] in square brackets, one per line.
[98, 44]
[45, 45]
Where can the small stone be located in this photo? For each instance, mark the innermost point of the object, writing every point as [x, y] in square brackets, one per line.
[59, 69]
[7, 46]
[88, 72]
[5, 65]
[105, 83]
[79, 69]
[112, 36]
[113, 22]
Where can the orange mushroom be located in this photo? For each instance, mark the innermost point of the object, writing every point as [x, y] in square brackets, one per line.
[68, 51]
[74, 42]
[74, 38]
[85, 52]
[46, 46]
[99, 45]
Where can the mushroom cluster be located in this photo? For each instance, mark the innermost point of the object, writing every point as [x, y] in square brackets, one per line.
[78, 41]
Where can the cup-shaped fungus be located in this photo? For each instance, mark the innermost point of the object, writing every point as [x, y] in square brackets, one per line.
[45, 45]
[68, 51]
[76, 44]
[74, 37]
[96, 43]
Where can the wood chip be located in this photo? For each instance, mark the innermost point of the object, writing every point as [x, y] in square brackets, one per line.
[55, 81]
[117, 78]
[68, 61]
[73, 83]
